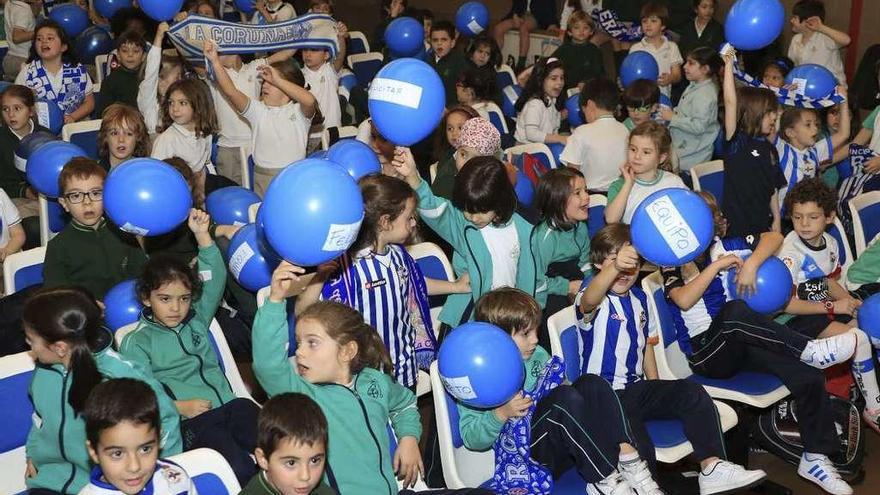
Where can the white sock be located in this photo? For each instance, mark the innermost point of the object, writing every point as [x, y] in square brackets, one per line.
[863, 371]
[632, 456]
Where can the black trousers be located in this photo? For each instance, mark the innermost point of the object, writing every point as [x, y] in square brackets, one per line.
[684, 400]
[231, 430]
[582, 426]
[740, 339]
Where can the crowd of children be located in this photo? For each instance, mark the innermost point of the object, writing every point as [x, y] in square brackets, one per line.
[112, 410]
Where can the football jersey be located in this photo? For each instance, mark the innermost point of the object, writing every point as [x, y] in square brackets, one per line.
[811, 266]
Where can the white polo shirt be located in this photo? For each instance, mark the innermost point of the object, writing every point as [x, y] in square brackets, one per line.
[279, 134]
[234, 129]
[820, 49]
[180, 142]
[17, 14]
[324, 85]
[598, 149]
[666, 55]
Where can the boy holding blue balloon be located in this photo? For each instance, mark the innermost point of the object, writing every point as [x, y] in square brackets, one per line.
[613, 317]
[654, 18]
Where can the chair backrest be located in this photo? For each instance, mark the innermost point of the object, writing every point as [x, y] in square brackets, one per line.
[671, 361]
[53, 218]
[432, 260]
[836, 230]
[865, 210]
[596, 211]
[102, 67]
[83, 134]
[709, 176]
[461, 467]
[539, 150]
[23, 269]
[16, 371]
[496, 117]
[247, 167]
[221, 348]
[365, 66]
[344, 132]
[357, 43]
[252, 212]
[504, 76]
[209, 471]
[566, 341]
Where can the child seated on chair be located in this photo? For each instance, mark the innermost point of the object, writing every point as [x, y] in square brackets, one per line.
[614, 316]
[172, 338]
[121, 85]
[321, 74]
[123, 432]
[291, 448]
[448, 61]
[721, 336]
[72, 256]
[576, 426]
[820, 305]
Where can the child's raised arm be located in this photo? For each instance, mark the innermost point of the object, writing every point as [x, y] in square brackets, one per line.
[341, 35]
[688, 294]
[840, 38]
[617, 205]
[238, 99]
[304, 97]
[729, 88]
[627, 259]
[842, 135]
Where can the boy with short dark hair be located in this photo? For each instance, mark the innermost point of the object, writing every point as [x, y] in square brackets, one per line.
[642, 100]
[291, 447]
[600, 146]
[121, 85]
[655, 17]
[90, 251]
[123, 432]
[614, 318]
[822, 307]
[814, 42]
[447, 61]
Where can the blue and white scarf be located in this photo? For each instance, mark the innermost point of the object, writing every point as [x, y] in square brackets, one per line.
[74, 81]
[859, 182]
[607, 19]
[515, 471]
[341, 288]
[308, 31]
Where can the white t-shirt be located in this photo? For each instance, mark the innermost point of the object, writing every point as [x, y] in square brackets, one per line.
[55, 79]
[599, 149]
[666, 55]
[642, 190]
[17, 14]
[588, 6]
[183, 143]
[282, 12]
[820, 49]
[536, 120]
[324, 85]
[279, 134]
[10, 217]
[234, 130]
[503, 245]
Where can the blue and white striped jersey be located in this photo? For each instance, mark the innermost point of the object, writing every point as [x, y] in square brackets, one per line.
[798, 165]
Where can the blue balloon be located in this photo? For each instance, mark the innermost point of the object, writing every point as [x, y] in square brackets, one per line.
[122, 306]
[773, 286]
[754, 24]
[146, 196]
[355, 157]
[509, 95]
[814, 80]
[348, 81]
[480, 365]
[405, 37]
[556, 149]
[71, 17]
[322, 154]
[312, 212]
[92, 42]
[672, 226]
[45, 163]
[245, 6]
[58, 218]
[229, 205]
[869, 317]
[29, 144]
[161, 10]
[109, 7]
[406, 101]
[49, 115]
[638, 65]
[524, 189]
[472, 19]
[247, 263]
[572, 104]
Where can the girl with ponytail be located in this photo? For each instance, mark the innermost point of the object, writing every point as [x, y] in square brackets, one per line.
[72, 351]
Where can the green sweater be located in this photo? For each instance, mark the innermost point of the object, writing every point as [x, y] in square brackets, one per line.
[480, 427]
[581, 61]
[866, 269]
[120, 86]
[471, 253]
[449, 68]
[711, 37]
[444, 181]
[57, 447]
[357, 416]
[552, 246]
[182, 358]
[12, 180]
[94, 258]
[259, 485]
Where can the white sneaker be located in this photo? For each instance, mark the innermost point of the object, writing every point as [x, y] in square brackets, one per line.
[639, 478]
[822, 353]
[727, 477]
[612, 485]
[818, 469]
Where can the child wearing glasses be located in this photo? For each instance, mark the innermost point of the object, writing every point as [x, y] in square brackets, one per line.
[89, 251]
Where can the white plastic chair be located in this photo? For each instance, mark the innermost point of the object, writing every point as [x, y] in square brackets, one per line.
[247, 170]
[83, 134]
[755, 389]
[209, 471]
[101, 67]
[539, 150]
[347, 131]
[252, 212]
[496, 117]
[846, 258]
[709, 176]
[596, 211]
[16, 371]
[365, 66]
[505, 76]
[53, 218]
[434, 264]
[358, 43]
[23, 269]
[865, 210]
